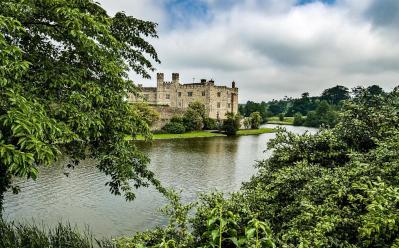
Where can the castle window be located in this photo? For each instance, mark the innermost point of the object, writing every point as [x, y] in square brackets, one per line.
[203, 93]
[229, 105]
[190, 93]
[179, 104]
[167, 96]
[218, 104]
[228, 95]
[179, 94]
[218, 94]
[147, 96]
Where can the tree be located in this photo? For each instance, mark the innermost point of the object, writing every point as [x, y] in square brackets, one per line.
[210, 124]
[63, 90]
[247, 122]
[298, 120]
[256, 120]
[199, 108]
[192, 120]
[335, 95]
[148, 114]
[232, 124]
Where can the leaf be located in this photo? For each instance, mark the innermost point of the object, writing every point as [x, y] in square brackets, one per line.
[250, 233]
[215, 234]
[211, 221]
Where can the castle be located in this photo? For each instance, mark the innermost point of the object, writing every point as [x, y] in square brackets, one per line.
[216, 99]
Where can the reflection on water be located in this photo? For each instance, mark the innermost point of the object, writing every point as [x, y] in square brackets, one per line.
[195, 165]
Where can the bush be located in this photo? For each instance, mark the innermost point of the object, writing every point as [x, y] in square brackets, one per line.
[210, 124]
[256, 120]
[298, 120]
[177, 119]
[281, 117]
[174, 128]
[192, 120]
[232, 123]
[16, 234]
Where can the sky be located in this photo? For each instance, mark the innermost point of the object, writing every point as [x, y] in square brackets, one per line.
[272, 48]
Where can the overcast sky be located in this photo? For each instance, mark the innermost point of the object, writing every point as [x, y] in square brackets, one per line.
[273, 48]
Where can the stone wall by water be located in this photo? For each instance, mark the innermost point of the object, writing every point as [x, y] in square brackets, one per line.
[165, 114]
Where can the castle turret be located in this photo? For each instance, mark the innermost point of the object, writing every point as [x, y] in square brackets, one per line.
[160, 80]
[175, 78]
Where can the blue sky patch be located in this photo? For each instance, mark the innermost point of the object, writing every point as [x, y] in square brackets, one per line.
[183, 11]
[304, 2]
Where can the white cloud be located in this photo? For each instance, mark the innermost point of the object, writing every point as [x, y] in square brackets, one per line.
[274, 48]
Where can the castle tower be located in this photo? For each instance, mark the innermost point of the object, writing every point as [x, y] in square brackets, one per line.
[175, 78]
[160, 80]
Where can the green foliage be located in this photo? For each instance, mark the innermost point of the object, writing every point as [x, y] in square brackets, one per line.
[247, 122]
[251, 107]
[148, 114]
[256, 120]
[198, 107]
[335, 95]
[281, 117]
[232, 124]
[298, 120]
[173, 128]
[177, 119]
[210, 124]
[64, 86]
[18, 235]
[192, 120]
[337, 187]
[324, 114]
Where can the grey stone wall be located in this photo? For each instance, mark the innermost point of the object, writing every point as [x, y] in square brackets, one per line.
[165, 114]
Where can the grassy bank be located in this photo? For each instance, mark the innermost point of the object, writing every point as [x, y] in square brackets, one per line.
[176, 136]
[255, 131]
[276, 120]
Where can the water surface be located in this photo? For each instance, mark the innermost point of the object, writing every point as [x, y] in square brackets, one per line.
[194, 164]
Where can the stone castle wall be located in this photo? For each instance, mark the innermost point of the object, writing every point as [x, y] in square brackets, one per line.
[216, 99]
[165, 114]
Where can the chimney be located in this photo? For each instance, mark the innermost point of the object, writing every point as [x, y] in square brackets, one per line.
[233, 84]
[203, 80]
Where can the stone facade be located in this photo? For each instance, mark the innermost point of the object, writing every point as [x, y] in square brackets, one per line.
[217, 99]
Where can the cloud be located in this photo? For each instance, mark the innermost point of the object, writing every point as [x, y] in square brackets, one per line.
[273, 48]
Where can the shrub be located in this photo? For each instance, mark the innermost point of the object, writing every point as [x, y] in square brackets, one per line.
[210, 124]
[298, 120]
[256, 120]
[281, 117]
[177, 119]
[192, 120]
[174, 128]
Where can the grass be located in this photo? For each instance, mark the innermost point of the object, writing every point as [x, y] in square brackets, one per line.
[176, 136]
[276, 120]
[256, 131]
[31, 235]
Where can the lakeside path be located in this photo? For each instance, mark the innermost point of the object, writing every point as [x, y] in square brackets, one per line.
[203, 134]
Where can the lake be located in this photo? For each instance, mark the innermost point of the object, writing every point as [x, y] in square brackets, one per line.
[194, 164]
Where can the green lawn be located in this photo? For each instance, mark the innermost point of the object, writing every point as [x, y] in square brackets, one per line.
[276, 120]
[256, 131]
[184, 135]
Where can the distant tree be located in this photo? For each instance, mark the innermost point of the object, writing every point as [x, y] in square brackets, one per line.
[252, 107]
[312, 120]
[192, 120]
[232, 124]
[281, 117]
[199, 108]
[301, 105]
[375, 90]
[247, 122]
[335, 95]
[241, 109]
[274, 109]
[256, 120]
[298, 120]
[148, 114]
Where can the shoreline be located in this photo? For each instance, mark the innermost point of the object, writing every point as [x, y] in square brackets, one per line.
[204, 134]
